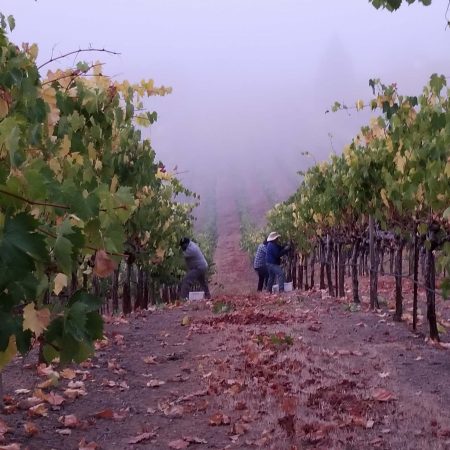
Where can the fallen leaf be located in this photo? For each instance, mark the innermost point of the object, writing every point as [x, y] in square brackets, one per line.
[142, 437]
[384, 374]
[219, 419]
[3, 428]
[30, 428]
[22, 391]
[75, 384]
[70, 421]
[68, 374]
[47, 383]
[178, 444]
[109, 414]
[185, 321]
[155, 383]
[195, 440]
[124, 385]
[64, 432]
[47, 371]
[54, 399]
[149, 359]
[383, 395]
[74, 393]
[370, 423]
[10, 447]
[38, 410]
[83, 445]
[174, 411]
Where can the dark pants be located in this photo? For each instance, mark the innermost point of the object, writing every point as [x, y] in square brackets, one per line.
[192, 276]
[263, 276]
[275, 271]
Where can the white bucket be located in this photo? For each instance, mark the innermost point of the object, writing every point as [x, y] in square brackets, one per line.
[200, 295]
[288, 287]
[275, 288]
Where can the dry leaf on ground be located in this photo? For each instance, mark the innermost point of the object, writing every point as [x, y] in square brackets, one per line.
[178, 444]
[142, 437]
[383, 395]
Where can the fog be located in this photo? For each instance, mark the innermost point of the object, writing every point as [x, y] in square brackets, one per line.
[251, 79]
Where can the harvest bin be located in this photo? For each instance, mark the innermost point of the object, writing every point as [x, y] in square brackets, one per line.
[196, 295]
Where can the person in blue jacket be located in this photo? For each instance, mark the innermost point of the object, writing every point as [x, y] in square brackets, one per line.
[273, 259]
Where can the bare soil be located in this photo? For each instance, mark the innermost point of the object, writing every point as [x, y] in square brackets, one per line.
[277, 372]
[284, 372]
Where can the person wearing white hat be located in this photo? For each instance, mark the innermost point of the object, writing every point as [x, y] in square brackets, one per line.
[273, 259]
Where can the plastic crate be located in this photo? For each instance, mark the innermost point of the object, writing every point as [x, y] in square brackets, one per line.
[198, 295]
[288, 287]
[275, 288]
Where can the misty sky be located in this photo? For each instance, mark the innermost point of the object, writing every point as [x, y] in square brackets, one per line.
[251, 79]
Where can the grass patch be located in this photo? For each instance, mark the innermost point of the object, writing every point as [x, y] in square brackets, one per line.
[222, 308]
[352, 307]
[275, 340]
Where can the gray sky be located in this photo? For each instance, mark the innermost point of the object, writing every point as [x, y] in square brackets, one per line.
[251, 79]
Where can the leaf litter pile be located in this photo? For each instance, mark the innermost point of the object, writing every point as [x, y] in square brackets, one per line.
[272, 372]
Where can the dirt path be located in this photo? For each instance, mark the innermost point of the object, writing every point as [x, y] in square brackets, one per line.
[278, 372]
[234, 273]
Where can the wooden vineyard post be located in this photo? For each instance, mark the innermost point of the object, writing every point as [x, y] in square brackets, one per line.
[115, 291]
[355, 285]
[373, 266]
[341, 259]
[313, 263]
[430, 282]
[416, 276]
[126, 300]
[328, 263]
[398, 279]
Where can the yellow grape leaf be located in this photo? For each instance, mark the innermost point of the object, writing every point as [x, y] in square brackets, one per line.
[142, 121]
[33, 51]
[65, 146]
[98, 165]
[55, 166]
[3, 108]
[389, 145]
[9, 353]
[77, 158]
[36, 320]
[92, 152]
[163, 175]
[400, 162]
[97, 68]
[384, 197]
[359, 105]
[447, 169]
[160, 252]
[60, 282]
[114, 183]
[420, 193]
[48, 94]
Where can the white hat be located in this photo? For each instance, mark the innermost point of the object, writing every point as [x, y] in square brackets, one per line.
[272, 236]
